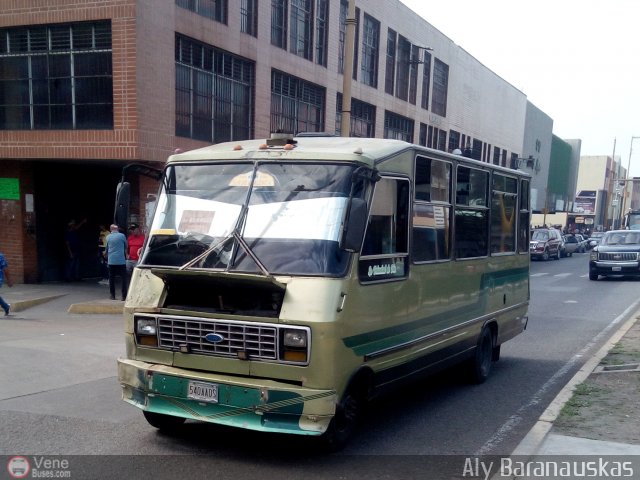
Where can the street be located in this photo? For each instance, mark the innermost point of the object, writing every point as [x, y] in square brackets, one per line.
[59, 393]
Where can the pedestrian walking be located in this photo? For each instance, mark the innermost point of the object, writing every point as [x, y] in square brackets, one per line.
[74, 250]
[116, 260]
[5, 277]
[102, 260]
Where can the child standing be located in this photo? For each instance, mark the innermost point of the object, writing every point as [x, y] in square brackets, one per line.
[4, 274]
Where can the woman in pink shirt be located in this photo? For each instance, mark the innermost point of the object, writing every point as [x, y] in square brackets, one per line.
[135, 240]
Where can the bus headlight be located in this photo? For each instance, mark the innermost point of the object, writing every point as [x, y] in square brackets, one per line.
[146, 331]
[295, 338]
[295, 343]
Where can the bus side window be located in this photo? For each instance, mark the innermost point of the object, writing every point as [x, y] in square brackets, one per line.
[471, 213]
[388, 219]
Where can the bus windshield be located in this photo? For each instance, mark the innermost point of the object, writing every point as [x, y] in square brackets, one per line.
[248, 217]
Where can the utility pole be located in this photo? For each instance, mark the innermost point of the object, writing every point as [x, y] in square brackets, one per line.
[347, 71]
[628, 181]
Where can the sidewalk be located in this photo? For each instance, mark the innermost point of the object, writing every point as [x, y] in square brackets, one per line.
[546, 438]
[86, 296]
[89, 297]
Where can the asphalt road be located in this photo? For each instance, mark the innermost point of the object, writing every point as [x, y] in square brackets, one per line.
[59, 395]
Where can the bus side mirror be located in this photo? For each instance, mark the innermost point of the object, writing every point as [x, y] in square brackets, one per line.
[121, 211]
[355, 226]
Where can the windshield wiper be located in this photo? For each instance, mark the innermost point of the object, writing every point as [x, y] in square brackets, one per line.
[235, 234]
[207, 252]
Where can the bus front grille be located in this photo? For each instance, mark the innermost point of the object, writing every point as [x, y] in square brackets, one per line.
[218, 338]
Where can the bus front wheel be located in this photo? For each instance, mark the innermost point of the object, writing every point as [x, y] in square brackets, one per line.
[345, 421]
[165, 423]
[480, 365]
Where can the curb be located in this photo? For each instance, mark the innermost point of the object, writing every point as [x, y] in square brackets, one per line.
[531, 443]
[112, 307]
[20, 305]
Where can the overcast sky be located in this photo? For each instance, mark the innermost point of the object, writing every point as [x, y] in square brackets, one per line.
[576, 60]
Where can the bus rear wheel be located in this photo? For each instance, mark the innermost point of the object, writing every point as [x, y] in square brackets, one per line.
[164, 423]
[480, 364]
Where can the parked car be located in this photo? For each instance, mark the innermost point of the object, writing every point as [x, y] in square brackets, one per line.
[546, 243]
[571, 245]
[583, 241]
[595, 238]
[618, 253]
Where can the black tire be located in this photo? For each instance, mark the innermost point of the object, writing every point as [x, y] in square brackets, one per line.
[545, 255]
[557, 257]
[344, 423]
[495, 353]
[480, 364]
[165, 423]
[593, 276]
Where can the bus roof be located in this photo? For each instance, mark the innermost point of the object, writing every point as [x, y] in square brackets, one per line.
[365, 150]
[370, 151]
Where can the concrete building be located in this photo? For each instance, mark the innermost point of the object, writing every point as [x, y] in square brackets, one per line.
[536, 154]
[88, 87]
[593, 207]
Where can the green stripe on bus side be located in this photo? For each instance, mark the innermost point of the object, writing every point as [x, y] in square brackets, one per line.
[384, 338]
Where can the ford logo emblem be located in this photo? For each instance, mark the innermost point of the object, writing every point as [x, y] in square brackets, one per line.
[213, 337]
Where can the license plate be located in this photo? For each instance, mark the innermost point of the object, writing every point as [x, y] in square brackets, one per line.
[204, 392]
[616, 269]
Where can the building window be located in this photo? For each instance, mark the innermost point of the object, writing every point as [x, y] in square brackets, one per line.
[300, 26]
[296, 105]
[279, 23]
[426, 80]
[56, 77]
[214, 93]
[437, 138]
[496, 155]
[370, 47]
[344, 8]
[422, 139]
[440, 87]
[249, 17]
[398, 127]
[363, 118]
[402, 66]
[413, 74]
[391, 62]
[454, 140]
[476, 151]
[213, 9]
[322, 21]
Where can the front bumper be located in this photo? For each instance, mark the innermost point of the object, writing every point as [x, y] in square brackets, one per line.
[255, 404]
[614, 268]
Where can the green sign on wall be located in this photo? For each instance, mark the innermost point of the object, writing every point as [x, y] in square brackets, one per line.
[9, 189]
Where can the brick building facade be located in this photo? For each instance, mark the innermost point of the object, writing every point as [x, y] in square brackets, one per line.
[92, 86]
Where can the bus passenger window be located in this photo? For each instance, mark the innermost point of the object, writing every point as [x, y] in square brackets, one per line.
[503, 214]
[433, 180]
[471, 213]
[431, 232]
[387, 229]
